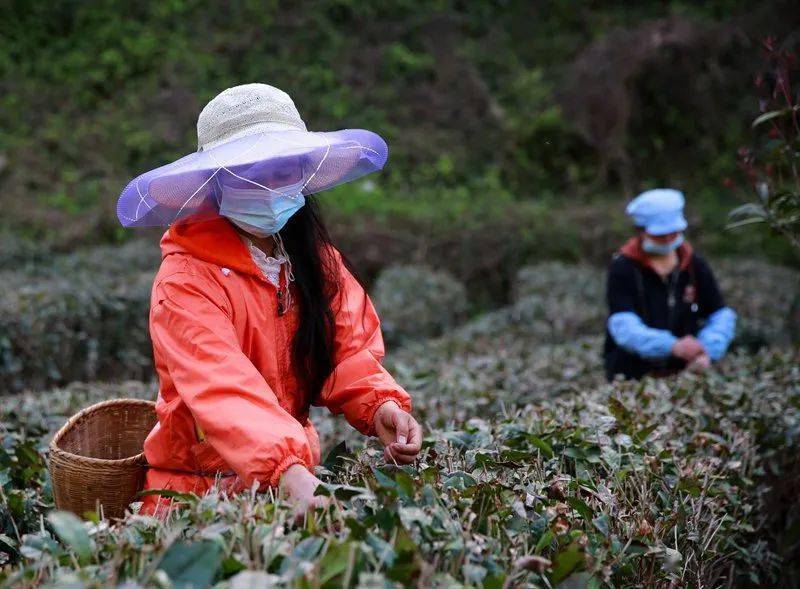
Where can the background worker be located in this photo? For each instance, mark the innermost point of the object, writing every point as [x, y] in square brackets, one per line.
[666, 311]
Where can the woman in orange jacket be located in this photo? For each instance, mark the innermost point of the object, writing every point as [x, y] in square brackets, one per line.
[255, 315]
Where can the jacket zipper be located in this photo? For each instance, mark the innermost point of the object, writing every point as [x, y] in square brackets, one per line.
[281, 302]
[280, 339]
[671, 300]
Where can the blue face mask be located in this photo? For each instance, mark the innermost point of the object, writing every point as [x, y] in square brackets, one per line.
[661, 249]
[259, 212]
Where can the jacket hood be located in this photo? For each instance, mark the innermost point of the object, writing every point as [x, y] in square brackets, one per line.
[214, 241]
[633, 251]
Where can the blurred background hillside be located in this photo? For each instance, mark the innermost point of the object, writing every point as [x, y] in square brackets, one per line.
[517, 129]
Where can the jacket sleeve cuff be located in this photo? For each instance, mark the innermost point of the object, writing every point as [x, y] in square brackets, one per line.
[402, 400]
[283, 466]
[629, 332]
[718, 332]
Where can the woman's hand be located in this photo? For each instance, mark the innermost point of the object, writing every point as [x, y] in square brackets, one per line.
[299, 485]
[399, 432]
[700, 364]
[688, 348]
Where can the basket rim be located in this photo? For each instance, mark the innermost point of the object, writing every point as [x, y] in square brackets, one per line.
[54, 449]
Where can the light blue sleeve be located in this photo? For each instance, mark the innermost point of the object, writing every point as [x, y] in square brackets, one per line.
[631, 333]
[718, 332]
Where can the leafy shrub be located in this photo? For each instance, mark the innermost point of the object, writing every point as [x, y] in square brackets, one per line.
[416, 302]
[763, 296]
[34, 265]
[565, 301]
[54, 329]
[561, 475]
[479, 233]
[80, 316]
[648, 484]
[555, 279]
[772, 169]
[15, 251]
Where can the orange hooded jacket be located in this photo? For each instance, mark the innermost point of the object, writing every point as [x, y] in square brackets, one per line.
[229, 401]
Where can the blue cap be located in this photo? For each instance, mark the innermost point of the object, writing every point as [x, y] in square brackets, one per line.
[658, 211]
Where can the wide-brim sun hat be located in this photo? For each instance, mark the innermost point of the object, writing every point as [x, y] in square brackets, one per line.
[249, 137]
[658, 211]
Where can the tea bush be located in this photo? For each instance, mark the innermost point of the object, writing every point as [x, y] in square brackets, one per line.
[80, 316]
[566, 301]
[763, 295]
[417, 302]
[25, 266]
[559, 280]
[79, 327]
[83, 316]
[534, 472]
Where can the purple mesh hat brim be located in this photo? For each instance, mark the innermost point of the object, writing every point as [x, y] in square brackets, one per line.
[190, 189]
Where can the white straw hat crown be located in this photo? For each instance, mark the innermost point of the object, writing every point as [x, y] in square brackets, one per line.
[246, 110]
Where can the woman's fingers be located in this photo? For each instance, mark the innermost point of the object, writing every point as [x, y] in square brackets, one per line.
[413, 443]
[397, 458]
[392, 456]
[308, 504]
[406, 451]
[415, 435]
[402, 427]
[410, 448]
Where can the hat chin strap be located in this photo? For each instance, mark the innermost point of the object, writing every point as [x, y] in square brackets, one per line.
[281, 252]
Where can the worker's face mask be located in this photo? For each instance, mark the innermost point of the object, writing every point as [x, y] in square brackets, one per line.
[260, 212]
[657, 248]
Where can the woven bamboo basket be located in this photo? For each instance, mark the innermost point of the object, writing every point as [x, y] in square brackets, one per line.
[96, 461]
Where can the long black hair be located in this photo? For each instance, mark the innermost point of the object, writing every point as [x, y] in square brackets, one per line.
[317, 280]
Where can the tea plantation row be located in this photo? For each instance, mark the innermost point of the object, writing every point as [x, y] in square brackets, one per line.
[83, 316]
[535, 472]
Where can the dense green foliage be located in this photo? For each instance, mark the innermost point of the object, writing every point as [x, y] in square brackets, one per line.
[774, 168]
[417, 302]
[534, 471]
[77, 317]
[476, 100]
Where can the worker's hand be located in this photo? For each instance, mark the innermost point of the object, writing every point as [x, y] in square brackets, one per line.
[700, 364]
[299, 485]
[687, 348]
[400, 433]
